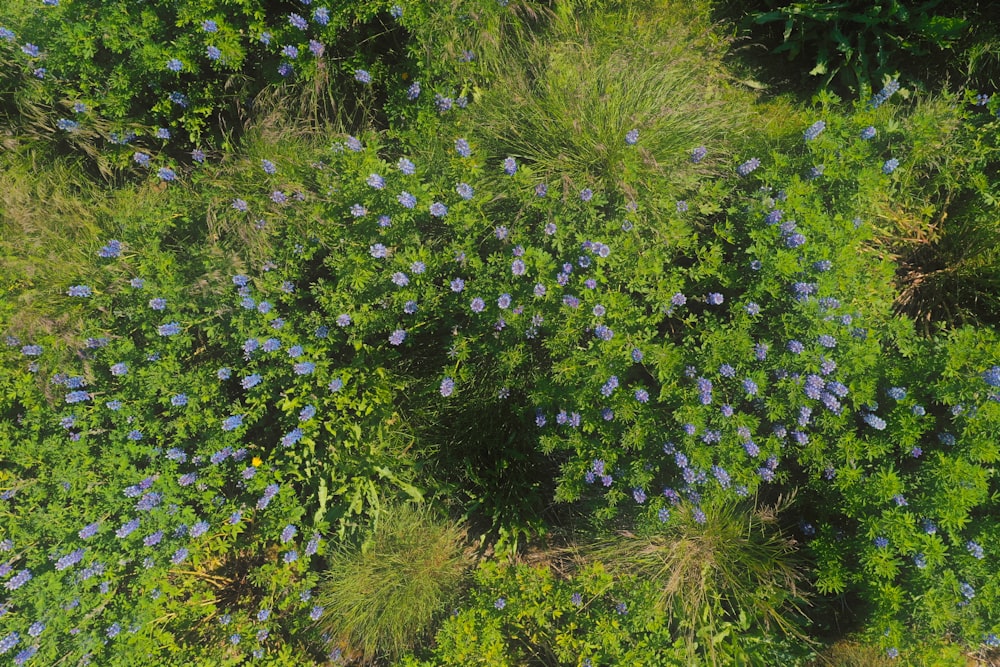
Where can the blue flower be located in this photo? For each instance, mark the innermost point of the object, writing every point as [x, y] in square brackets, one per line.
[814, 130]
[321, 15]
[287, 535]
[992, 376]
[967, 591]
[79, 290]
[714, 299]
[510, 166]
[447, 387]
[438, 210]
[464, 190]
[407, 167]
[698, 154]
[868, 133]
[406, 199]
[179, 556]
[748, 166]
[586, 194]
[174, 65]
[119, 369]
[304, 368]
[462, 147]
[890, 166]
[170, 329]
[631, 137]
[874, 421]
[290, 51]
[251, 380]
[881, 542]
[30, 49]
[500, 603]
[397, 337]
[881, 96]
[232, 422]
[362, 76]
[166, 173]
[297, 21]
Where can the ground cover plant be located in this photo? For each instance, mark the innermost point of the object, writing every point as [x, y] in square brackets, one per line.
[507, 357]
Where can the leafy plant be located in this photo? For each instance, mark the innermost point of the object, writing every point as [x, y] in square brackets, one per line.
[858, 43]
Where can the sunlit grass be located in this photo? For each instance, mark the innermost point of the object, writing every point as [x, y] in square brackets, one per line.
[383, 596]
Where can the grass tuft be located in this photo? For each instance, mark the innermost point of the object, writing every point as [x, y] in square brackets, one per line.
[383, 596]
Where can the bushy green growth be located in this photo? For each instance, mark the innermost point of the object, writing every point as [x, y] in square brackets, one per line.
[855, 45]
[727, 563]
[523, 614]
[566, 95]
[383, 596]
[104, 73]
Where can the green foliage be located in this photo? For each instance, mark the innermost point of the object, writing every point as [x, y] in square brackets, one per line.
[293, 341]
[732, 566]
[860, 43]
[565, 96]
[381, 597]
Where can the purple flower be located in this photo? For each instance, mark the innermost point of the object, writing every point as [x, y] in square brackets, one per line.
[407, 167]
[814, 130]
[362, 76]
[714, 299]
[747, 167]
[631, 137]
[179, 556]
[500, 603]
[406, 199]
[397, 337]
[171, 329]
[462, 147]
[447, 387]
[79, 291]
[510, 166]
[868, 133]
[438, 210]
[232, 422]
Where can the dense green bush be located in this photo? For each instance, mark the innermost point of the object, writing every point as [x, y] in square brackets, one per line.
[641, 322]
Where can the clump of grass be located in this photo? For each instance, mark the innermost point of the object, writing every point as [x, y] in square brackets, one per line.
[737, 560]
[564, 95]
[381, 597]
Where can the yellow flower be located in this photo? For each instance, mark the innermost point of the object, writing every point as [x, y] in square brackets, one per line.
[256, 461]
